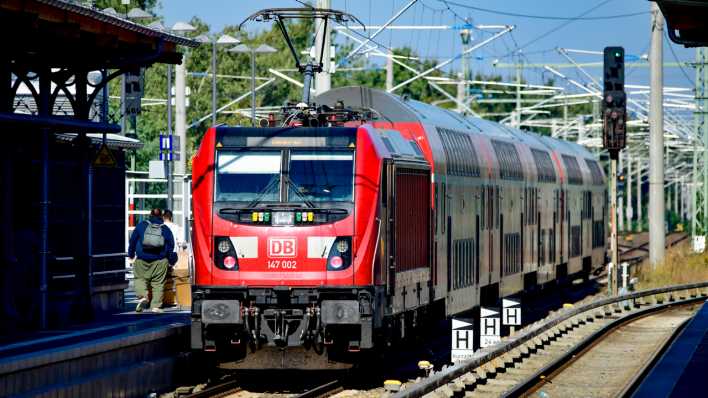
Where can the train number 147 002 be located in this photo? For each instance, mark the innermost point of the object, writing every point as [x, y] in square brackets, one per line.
[282, 264]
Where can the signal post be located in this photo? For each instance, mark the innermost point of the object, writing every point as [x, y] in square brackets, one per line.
[614, 139]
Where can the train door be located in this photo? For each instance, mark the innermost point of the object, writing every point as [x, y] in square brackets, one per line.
[408, 234]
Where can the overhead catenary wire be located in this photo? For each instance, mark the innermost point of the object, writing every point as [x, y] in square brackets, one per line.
[546, 17]
[673, 53]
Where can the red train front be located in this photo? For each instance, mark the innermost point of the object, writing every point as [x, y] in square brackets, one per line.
[313, 244]
[284, 234]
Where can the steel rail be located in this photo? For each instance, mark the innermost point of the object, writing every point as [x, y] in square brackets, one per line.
[535, 330]
[325, 390]
[218, 390]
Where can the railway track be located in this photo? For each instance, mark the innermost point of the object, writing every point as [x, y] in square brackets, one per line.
[637, 342]
[638, 250]
[546, 355]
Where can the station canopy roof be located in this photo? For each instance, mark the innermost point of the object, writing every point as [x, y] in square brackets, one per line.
[66, 34]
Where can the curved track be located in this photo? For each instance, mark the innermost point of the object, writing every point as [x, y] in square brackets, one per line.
[610, 366]
[532, 359]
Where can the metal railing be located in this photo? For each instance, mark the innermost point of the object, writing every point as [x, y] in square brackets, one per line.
[535, 330]
[143, 192]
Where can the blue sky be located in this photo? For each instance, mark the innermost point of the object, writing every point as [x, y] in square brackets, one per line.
[631, 32]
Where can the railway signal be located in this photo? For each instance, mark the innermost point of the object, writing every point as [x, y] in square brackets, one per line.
[614, 102]
[133, 89]
[614, 132]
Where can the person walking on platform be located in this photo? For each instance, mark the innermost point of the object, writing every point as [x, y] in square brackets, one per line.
[151, 251]
[176, 230]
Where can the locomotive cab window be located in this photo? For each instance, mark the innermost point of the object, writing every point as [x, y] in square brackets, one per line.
[321, 176]
[311, 176]
[245, 176]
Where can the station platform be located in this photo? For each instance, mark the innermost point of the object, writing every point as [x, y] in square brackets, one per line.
[126, 355]
[681, 371]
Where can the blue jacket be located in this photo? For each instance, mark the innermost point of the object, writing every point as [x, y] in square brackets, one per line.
[136, 243]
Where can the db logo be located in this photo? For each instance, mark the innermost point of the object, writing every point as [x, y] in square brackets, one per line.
[282, 247]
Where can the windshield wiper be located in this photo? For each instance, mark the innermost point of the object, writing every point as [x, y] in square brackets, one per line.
[274, 181]
[295, 187]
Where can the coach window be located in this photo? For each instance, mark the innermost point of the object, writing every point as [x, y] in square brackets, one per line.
[484, 206]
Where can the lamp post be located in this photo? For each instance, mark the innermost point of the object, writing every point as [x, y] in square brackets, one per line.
[180, 101]
[462, 91]
[180, 28]
[136, 15]
[223, 39]
[262, 49]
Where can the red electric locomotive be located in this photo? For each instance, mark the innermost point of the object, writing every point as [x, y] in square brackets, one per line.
[341, 229]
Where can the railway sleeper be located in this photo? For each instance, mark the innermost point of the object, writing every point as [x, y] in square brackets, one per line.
[458, 387]
[480, 375]
[524, 350]
[469, 380]
[516, 355]
[531, 347]
[538, 342]
[442, 392]
[525, 371]
[578, 321]
[494, 387]
[508, 360]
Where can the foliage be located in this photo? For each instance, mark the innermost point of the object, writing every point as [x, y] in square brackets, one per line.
[680, 266]
[147, 5]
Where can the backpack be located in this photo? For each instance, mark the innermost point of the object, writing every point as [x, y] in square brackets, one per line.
[152, 238]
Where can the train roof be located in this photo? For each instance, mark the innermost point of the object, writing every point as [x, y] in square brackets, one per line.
[395, 108]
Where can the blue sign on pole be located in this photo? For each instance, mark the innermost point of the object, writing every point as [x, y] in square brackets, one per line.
[165, 147]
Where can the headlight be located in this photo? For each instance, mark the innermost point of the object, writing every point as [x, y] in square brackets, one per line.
[224, 246]
[229, 262]
[336, 262]
[284, 218]
[340, 257]
[342, 246]
[225, 254]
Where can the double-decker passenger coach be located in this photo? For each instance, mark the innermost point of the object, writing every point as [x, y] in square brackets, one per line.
[352, 222]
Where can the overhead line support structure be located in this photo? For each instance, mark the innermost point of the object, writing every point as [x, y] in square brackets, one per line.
[657, 205]
[497, 35]
[378, 31]
[700, 143]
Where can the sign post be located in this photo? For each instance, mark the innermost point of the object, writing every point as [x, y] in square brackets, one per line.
[511, 314]
[167, 142]
[489, 327]
[462, 340]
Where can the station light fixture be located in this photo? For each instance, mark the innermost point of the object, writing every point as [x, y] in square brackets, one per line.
[244, 49]
[182, 27]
